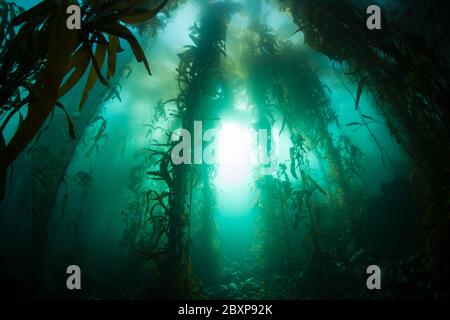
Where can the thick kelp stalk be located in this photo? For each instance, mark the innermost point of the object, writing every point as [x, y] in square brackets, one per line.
[202, 89]
[206, 255]
[408, 75]
[198, 76]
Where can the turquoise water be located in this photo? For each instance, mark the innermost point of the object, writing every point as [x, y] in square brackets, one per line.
[88, 221]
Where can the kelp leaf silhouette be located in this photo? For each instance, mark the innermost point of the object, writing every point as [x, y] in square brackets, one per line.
[44, 53]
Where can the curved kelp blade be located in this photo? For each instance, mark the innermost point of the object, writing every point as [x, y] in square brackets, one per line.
[97, 63]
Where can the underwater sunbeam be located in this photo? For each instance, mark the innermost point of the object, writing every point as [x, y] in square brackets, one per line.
[234, 151]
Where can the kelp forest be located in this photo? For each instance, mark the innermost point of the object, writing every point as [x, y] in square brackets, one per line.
[106, 132]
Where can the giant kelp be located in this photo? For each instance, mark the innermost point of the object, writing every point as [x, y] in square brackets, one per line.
[198, 71]
[317, 221]
[284, 87]
[55, 66]
[293, 90]
[408, 76]
[44, 60]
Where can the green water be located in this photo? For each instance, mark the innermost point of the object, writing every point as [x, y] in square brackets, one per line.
[94, 224]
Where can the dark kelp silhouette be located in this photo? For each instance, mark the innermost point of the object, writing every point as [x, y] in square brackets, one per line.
[316, 223]
[407, 73]
[44, 60]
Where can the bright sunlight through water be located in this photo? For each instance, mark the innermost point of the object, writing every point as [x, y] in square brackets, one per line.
[235, 148]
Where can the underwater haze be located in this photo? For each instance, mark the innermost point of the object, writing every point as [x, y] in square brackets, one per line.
[345, 187]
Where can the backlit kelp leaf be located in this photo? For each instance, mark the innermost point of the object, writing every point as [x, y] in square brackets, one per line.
[97, 63]
[113, 49]
[140, 15]
[95, 59]
[40, 61]
[69, 121]
[61, 44]
[80, 62]
[122, 32]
